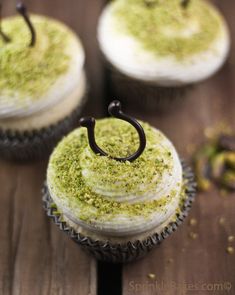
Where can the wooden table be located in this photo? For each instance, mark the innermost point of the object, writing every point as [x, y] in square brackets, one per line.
[36, 258]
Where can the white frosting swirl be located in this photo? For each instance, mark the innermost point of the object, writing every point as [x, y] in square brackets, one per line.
[116, 191]
[12, 107]
[164, 196]
[128, 56]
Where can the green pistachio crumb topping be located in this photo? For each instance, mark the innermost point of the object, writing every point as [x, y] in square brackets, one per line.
[166, 28]
[146, 172]
[30, 71]
[73, 155]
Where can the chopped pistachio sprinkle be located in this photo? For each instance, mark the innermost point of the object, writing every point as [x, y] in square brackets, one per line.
[73, 156]
[193, 235]
[170, 260]
[30, 71]
[230, 250]
[151, 276]
[231, 239]
[193, 221]
[166, 28]
[222, 221]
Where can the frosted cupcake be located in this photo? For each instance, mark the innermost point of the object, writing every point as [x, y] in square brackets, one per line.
[120, 191]
[42, 85]
[160, 48]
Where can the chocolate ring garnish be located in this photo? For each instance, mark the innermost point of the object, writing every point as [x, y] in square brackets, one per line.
[21, 8]
[115, 111]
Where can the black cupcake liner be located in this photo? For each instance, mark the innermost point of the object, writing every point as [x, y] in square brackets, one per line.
[146, 96]
[37, 143]
[128, 251]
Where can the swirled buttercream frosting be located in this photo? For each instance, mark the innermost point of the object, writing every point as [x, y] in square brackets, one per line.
[163, 41]
[112, 197]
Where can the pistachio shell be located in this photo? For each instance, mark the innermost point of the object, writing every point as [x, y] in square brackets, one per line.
[230, 159]
[228, 179]
[202, 166]
[218, 166]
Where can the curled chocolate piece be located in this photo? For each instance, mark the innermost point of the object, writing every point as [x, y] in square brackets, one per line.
[21, 8]
[115, 111]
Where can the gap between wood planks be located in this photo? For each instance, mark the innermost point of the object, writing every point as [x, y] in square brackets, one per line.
[109, 279]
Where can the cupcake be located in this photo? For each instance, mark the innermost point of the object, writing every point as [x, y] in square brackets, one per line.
[118, 191]
[42, 84]
[157, 50]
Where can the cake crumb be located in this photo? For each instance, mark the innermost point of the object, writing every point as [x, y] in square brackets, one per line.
[230, 250]
[193, 235]
[222, 221]
[170, 260]
[152, 276]
[231, 239]
[193, 221]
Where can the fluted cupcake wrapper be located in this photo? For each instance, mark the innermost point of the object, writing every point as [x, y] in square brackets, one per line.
[146, 95]
[129, 251]
[38, 143]
[143, 95]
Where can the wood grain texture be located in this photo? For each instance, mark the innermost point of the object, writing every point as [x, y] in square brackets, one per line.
[35, 257]
[183, 265]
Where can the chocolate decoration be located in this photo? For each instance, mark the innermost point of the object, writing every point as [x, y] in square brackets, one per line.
[115, 111]
[21, 8]
[5, 38]
[185, 3]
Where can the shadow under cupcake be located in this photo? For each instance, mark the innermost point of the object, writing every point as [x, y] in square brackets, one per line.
[118, 191]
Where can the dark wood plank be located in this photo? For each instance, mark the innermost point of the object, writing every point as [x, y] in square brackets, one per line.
[35, 257]
[180, 259]
[204, 259]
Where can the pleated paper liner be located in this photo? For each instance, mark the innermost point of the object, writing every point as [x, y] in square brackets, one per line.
[128, 251]
[36, 144]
